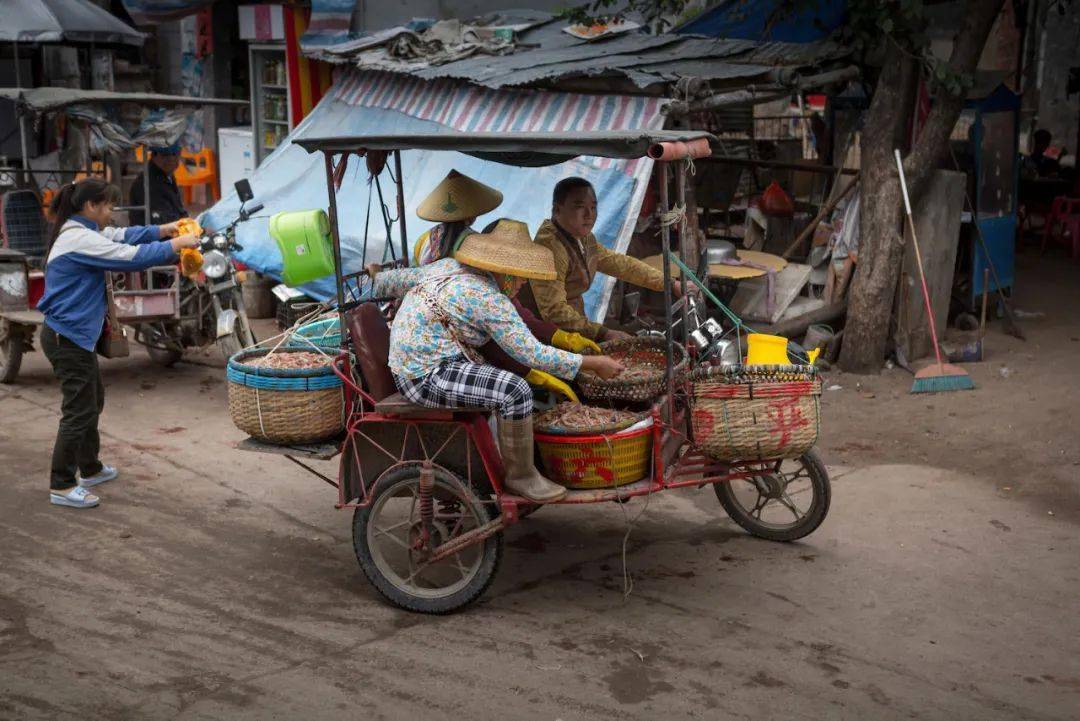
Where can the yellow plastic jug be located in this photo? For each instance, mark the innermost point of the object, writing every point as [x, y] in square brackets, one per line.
[766, 350]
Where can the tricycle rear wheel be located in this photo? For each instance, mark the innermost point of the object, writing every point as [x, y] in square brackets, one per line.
[11, 351]
[386, 534]
[774, 504]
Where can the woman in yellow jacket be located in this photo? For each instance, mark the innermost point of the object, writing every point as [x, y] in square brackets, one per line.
[455, 204]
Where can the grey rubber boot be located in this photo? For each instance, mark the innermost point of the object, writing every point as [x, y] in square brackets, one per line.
[516, 445]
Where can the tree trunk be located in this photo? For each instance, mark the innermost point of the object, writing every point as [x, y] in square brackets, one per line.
[880, 212]
[881, 246]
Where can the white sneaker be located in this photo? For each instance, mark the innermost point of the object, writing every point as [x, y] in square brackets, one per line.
[107, 473]
[77, 497]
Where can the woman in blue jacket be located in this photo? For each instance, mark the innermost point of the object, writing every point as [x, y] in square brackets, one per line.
[81, 251]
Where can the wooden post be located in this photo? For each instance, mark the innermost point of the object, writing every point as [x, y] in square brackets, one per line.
[937, 221]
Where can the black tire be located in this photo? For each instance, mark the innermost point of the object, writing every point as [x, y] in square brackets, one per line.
[11, 352]
[808, 465]
[158, 345]
[230, 345]
[166, 357]
[392, 485]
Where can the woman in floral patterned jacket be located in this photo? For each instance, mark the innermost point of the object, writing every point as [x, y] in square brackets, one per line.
[455, 305]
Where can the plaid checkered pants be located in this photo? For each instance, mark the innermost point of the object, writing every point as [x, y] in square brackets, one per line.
[462, 384]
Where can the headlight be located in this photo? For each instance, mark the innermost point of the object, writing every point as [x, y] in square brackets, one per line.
[215, 264]
[221, 242]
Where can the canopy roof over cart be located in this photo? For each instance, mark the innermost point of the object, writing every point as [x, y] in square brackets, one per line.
[364, 106]
[520, 149]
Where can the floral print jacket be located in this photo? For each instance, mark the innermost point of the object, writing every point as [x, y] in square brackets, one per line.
[478, 312]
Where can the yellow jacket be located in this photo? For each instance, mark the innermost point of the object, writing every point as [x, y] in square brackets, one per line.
[560, 301]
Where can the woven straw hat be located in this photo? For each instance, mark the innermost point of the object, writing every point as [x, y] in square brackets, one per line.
[507, 249]
[458, 197]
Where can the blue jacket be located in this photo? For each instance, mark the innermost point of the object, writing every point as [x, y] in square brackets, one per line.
[74, 300]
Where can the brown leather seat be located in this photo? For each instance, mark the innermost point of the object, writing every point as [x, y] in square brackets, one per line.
[371, 343]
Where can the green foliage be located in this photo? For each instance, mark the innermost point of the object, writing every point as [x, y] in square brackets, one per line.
[875, 25]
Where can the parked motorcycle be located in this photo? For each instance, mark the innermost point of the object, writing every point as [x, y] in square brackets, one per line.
[207, 310]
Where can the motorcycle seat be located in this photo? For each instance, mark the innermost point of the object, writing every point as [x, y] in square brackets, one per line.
[371, 343]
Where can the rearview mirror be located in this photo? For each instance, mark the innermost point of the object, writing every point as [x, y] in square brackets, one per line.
[243, 190]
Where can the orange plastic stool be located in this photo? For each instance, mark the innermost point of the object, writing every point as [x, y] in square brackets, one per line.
[203, 172]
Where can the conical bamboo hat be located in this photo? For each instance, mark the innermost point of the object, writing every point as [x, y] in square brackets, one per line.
[507, 249]
[458, 197]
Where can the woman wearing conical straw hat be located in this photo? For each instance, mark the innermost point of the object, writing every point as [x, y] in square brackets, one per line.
[455, 305]
[454, 204]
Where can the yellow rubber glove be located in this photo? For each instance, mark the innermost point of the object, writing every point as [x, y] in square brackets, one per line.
[546, 380]
[421, 245]
[573, 342]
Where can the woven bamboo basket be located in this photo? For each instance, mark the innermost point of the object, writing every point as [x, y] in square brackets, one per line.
[744, 413]
[324, 333]
[285, 406]
[596, 461]
[648, 351]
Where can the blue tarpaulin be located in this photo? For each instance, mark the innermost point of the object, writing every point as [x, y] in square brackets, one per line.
[764, 20]
[363, 103]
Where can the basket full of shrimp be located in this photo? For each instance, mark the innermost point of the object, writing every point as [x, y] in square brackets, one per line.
[285, 395]
[643, 376]
[585, 446]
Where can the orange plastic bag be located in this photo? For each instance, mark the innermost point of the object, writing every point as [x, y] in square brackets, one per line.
[188, 226]
[775, 202]
[191, 262]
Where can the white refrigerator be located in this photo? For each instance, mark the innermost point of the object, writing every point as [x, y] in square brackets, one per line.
[236, 155]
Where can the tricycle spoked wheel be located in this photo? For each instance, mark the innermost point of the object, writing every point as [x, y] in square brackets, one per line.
[388, 538]
[11, 351]
[786, 501]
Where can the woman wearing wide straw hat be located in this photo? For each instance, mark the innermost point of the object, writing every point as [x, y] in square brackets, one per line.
[455, 305]
[454, 204]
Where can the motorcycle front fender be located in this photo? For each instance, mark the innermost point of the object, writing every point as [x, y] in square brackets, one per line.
[226, 322]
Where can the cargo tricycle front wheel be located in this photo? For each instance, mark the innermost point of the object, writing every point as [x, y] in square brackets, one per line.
[784, 500]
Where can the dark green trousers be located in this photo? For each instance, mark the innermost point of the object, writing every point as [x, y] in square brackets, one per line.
[77, 440]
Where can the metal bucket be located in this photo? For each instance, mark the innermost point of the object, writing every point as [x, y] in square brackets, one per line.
[817, 336]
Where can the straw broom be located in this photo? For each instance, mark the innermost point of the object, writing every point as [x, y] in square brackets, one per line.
[940, 377]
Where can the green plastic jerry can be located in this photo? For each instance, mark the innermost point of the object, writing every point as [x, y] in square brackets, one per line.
[303, 237]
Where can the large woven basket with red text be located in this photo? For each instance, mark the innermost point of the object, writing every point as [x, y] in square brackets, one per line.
[743, 413]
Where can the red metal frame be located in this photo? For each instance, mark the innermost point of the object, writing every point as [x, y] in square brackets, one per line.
[691, 467]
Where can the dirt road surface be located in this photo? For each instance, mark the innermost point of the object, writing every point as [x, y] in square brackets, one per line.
[216, 584]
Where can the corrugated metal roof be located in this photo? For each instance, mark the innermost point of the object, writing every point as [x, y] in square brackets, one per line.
[545, 54]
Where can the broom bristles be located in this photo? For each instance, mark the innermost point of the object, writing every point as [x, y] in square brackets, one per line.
[942, 379]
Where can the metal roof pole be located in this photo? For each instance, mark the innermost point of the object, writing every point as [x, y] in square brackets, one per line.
[147, 219]
[336, 238]
[400, 182]
[665, 240]
[22, 118]
[684, 242]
